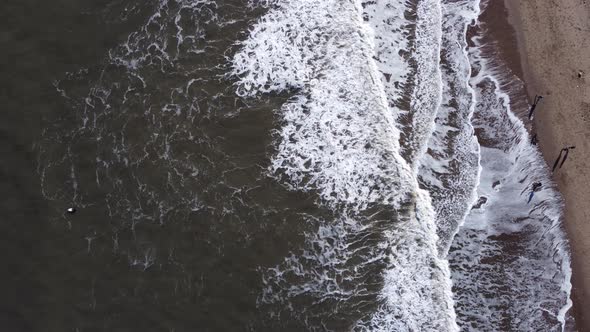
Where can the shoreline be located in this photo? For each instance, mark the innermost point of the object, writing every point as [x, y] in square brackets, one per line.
[553, 40]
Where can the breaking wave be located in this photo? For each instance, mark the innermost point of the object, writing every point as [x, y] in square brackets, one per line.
[339, 137]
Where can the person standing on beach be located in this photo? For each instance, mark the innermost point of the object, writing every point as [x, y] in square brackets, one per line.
[534, 139]
[536, 187]
[557, 160]
[534, 105]
[565, 151]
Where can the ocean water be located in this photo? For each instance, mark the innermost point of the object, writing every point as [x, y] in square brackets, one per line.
[272, 165]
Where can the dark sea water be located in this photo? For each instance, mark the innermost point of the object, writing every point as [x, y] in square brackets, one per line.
[165, 238]
[263, 166]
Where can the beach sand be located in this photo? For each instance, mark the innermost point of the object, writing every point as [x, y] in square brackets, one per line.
[554, 42]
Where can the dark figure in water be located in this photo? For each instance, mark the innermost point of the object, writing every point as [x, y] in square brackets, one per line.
[534, 105]
[565, 151]
[536, 187]
[534, 139]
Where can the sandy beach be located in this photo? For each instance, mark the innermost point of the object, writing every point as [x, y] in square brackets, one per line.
[554, 42]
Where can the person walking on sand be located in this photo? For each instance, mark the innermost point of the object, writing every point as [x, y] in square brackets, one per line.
[534, 139]
[534, 105]
[536, 187]
[565, 151]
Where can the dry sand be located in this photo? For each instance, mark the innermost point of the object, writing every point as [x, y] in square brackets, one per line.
[554, 40]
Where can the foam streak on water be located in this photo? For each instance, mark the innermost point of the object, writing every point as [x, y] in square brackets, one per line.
[338, 137]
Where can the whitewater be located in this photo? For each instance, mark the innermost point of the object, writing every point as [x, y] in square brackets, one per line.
[400, 126]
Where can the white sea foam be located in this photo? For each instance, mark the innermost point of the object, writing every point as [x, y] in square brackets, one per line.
[417, 290]
[510, 260]
[427, 93]
[338, 137]
[450, 167]
[391, 39]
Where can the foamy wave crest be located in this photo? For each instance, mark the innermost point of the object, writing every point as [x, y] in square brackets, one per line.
[336, 274]
[426, 95]
[417, 291]
[339, 138]
[338, 135]
[388, 273]
[450, 167]
[392, 33]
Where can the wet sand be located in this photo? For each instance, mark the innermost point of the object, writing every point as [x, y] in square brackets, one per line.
[554, 42]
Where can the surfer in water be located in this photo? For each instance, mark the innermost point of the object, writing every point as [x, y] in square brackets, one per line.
[534, 105]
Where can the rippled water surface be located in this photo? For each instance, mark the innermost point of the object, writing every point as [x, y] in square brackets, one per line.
[272, 165]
